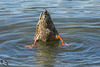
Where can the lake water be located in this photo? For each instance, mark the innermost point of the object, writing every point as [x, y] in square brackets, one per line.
[77, 21]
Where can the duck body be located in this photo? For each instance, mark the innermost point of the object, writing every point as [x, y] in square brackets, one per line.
[45, 30]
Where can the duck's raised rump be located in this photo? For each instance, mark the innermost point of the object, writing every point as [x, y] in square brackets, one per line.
[45, 30]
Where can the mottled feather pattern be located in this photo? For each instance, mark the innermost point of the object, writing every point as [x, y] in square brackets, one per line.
[45, 30]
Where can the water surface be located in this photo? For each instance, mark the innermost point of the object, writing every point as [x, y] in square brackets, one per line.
[77, 21]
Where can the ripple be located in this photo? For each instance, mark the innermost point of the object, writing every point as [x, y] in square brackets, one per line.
[74, 47]
[78, 23]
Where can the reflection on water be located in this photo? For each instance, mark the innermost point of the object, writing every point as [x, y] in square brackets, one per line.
[46, 53]
[77, 21]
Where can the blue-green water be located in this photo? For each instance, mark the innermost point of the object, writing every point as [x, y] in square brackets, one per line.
[77, 21]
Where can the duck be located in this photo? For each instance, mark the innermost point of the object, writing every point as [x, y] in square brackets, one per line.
[46, 31]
